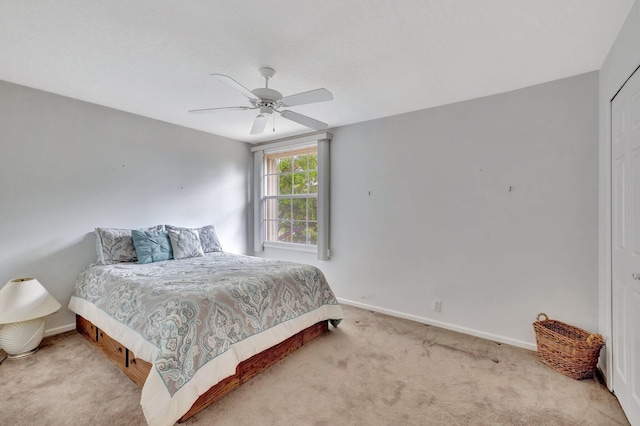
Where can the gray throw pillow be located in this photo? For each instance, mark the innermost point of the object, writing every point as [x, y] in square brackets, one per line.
[185, 243]
[116, 245]
[208, 237]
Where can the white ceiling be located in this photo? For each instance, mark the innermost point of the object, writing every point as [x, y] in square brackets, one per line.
[377, 57]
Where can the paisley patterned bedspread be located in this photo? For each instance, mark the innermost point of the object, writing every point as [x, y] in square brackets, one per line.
[195, 319]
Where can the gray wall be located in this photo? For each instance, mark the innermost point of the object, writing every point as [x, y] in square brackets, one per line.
[441, 223]
[68, 166]
[620, 63]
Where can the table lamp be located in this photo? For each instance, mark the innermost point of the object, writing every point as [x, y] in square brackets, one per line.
[24, 303]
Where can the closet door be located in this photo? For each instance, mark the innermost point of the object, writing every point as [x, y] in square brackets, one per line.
[625, 245]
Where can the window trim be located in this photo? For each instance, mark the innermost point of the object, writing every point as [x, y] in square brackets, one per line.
[321, 140]
[291, 246]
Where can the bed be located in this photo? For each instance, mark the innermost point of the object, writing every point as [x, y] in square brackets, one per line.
[192, 329]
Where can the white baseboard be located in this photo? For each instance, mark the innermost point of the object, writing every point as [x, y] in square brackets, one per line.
[58, 330]
[452, 327]
[422, 320]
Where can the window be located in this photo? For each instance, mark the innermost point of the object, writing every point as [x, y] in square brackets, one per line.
[291, 194]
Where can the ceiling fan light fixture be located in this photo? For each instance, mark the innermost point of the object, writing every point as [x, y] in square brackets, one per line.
[270, 100]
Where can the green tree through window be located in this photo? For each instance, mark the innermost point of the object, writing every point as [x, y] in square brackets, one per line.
[291, 196]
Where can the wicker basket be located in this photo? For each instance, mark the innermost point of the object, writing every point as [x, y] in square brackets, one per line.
[570, 350]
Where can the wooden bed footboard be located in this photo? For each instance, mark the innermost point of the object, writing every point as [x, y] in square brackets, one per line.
[138, 370]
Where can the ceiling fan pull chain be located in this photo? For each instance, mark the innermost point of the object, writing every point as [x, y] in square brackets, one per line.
[273, 116]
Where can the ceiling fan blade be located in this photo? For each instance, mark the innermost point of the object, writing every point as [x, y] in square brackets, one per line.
[260, 123]
[205, 110]
[304, 120]
[225, 79]
[310, 97]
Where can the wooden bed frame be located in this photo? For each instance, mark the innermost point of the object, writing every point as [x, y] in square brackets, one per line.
[138, 370]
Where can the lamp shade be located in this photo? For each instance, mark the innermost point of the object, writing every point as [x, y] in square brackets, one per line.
[25, 299]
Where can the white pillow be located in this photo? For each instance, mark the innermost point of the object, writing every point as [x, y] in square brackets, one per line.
[185, 243]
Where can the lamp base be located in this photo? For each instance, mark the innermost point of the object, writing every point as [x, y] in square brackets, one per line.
[20, 339]
[23, 354]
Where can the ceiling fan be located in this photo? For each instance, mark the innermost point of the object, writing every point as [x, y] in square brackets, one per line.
[269, 101]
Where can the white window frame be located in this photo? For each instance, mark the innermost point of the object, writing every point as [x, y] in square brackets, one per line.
[322, 141]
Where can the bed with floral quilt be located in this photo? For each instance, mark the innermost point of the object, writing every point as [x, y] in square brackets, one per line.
[194, 321]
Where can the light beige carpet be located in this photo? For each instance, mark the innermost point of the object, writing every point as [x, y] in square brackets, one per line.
[371, 370]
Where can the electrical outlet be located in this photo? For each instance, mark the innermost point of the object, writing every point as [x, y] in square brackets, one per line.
[437, 305]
